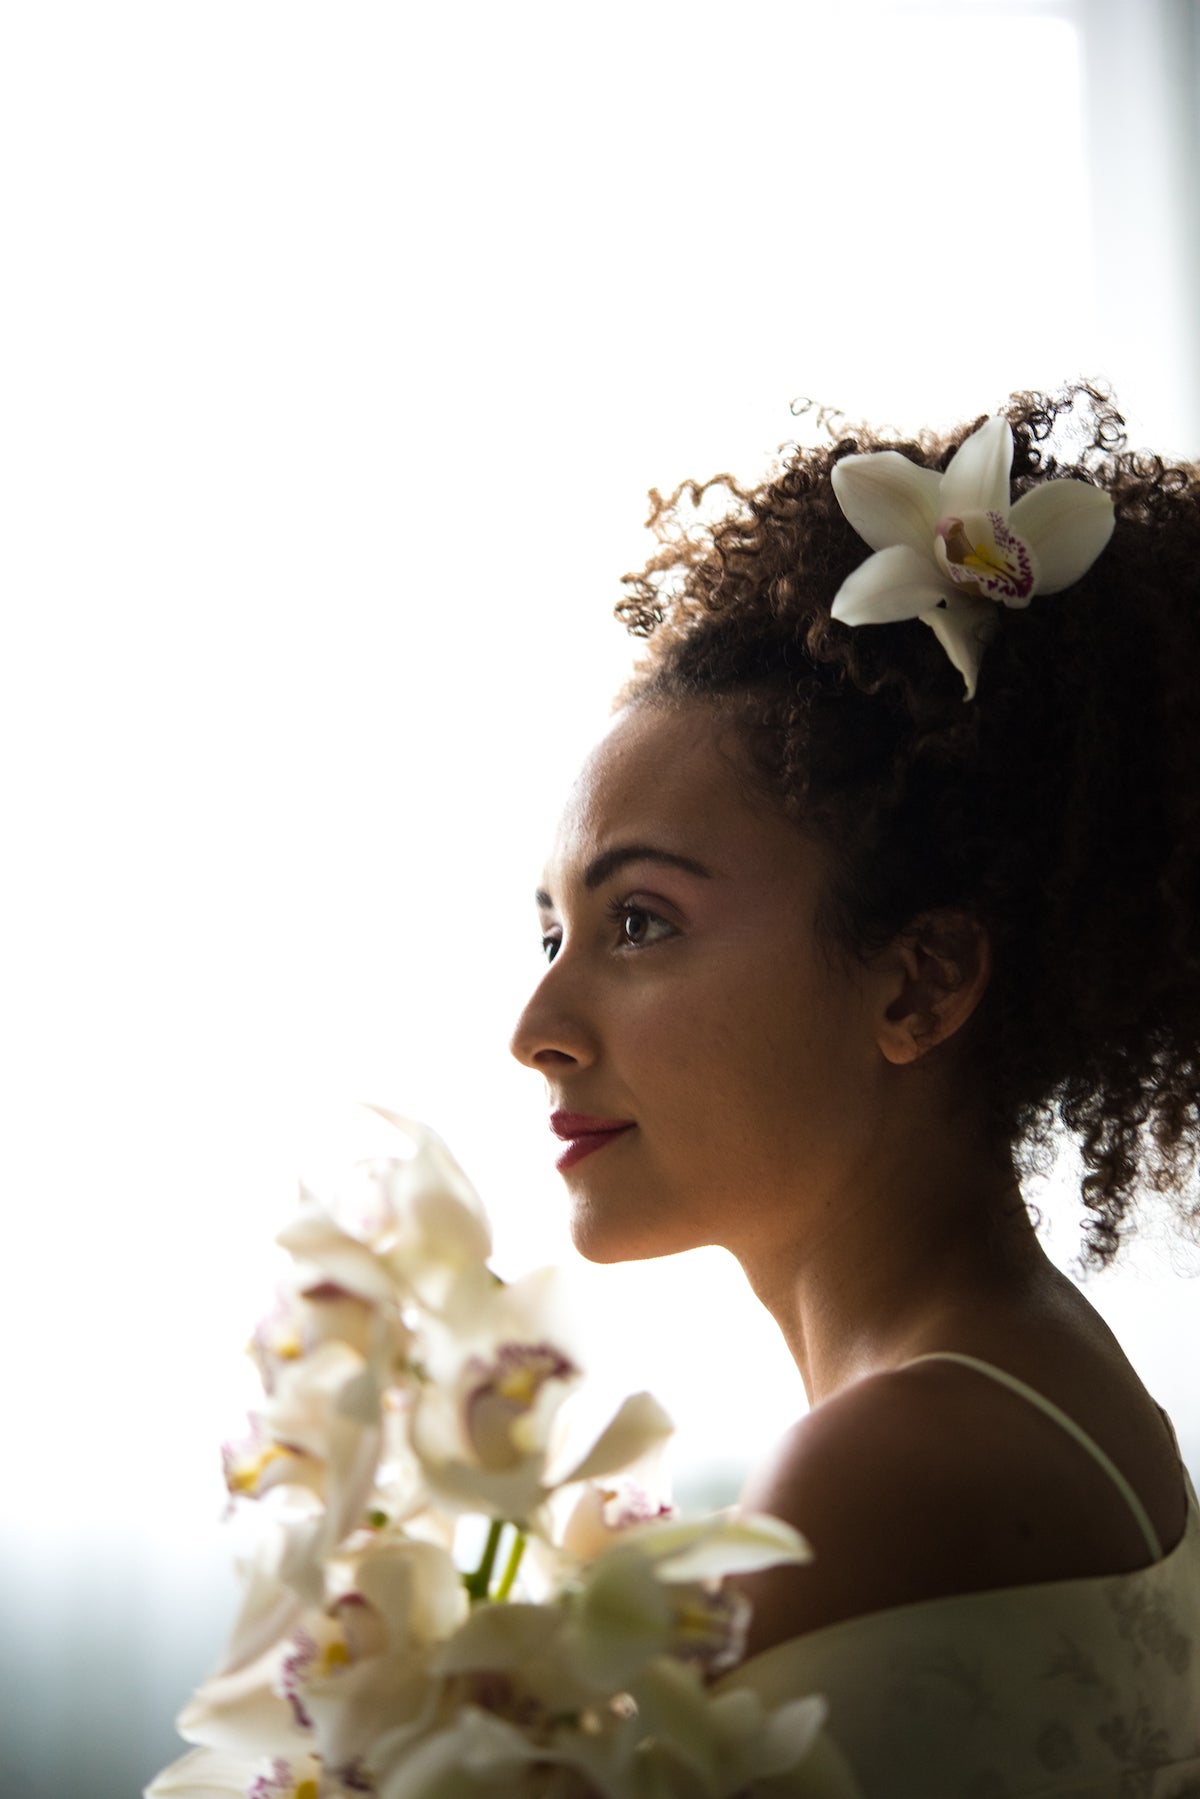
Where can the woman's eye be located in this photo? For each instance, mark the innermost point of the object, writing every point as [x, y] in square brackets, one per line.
[639, 927]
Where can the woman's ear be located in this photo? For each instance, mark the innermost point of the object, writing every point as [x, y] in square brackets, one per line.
[933, 977]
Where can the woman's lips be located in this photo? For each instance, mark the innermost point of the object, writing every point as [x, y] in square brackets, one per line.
[582, 1134]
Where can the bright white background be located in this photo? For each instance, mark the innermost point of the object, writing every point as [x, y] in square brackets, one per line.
[341, 345]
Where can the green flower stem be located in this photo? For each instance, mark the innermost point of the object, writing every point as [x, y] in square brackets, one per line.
[511, 1566]
[477, 1583]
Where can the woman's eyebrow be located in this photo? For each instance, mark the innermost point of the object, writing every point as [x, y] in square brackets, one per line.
[602, 867]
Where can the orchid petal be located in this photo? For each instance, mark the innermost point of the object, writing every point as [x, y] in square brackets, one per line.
[309, 1395]
[673, 1707]
[639, 1423]
[416, 1588]
[501, 1637]
[962, 627]
[784, 1739]
[727, 1543]
[269, 1609]
[602, 1515]
[512, 1494]
[622, 1618]
[977, 478]
[455, 1761]
[1066, 523]
[892, 584]
[320, 1244]
[533, 1644]
[488, 1745]
[888, 499]
[242, 1713]
[434, 1185]
[354, 1447]
[202, 1774]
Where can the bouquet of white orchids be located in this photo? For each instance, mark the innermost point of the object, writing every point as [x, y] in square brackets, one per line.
[414, 1401]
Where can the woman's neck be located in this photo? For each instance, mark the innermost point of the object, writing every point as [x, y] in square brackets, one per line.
[873, 1274]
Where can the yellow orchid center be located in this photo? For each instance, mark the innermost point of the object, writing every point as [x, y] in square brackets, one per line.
[279, 1783]
[520, 1384]
[985, 558]
[709, 1626]
[335, 1655]
[287, 1346]
[503, 1392]
[695, 1621]
[312, 1656]
[243, 1476]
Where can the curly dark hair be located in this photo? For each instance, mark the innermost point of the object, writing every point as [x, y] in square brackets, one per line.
[1060, 807]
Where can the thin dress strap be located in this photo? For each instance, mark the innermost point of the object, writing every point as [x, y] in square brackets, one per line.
[1044, 1405]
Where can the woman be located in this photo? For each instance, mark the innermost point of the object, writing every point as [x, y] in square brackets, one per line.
[844, 915]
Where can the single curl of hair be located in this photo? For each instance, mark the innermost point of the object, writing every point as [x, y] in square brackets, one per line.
[1060, 807]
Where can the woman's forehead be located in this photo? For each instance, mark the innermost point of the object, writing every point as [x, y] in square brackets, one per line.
[673, 778]
[653, 767]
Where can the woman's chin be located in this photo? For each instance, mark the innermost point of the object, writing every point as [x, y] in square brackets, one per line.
[604, 1233]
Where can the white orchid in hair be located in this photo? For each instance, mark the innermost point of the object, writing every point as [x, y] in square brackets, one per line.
[950, 548]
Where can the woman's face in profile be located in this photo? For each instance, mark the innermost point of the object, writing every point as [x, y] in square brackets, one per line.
[707, 1061]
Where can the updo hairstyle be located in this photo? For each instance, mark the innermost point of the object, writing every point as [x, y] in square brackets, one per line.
[1060, 807]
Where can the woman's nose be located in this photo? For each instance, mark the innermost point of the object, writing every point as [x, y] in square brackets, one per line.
[551, 1034]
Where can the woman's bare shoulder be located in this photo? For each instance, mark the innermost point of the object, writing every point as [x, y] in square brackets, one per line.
[867, 1482]
[920, 1483]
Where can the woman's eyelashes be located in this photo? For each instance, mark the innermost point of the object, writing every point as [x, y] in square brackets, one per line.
[634, 927]
[638, 926]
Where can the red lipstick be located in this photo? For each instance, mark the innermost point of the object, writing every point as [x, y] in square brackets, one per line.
[583, 1133]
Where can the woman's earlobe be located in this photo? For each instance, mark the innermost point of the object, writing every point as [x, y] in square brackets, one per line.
[940, 970]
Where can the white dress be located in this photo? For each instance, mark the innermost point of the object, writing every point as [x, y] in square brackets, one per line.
[1067, 1689]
